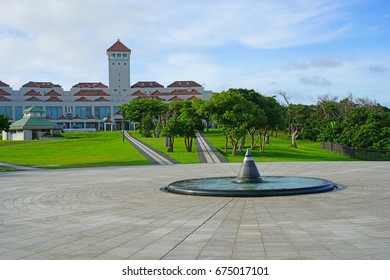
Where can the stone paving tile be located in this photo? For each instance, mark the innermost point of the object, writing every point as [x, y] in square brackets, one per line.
[120, 213]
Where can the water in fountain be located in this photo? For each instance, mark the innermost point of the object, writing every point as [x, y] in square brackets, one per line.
[250, 183]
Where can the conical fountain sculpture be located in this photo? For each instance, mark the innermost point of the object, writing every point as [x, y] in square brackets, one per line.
[250, 183]
[249, 174]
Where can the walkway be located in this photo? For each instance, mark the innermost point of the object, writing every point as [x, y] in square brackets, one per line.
[120, 213]
[17, 166]
[206, 152]
[148, 152]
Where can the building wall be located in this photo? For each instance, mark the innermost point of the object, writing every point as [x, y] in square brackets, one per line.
[89, 104]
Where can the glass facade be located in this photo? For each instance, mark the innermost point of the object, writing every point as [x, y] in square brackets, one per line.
[102, 112]
[83, 111]
[18, 112]
[6, 110]
[54, 111]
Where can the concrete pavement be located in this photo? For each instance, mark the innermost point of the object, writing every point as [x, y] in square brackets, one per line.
[120, 213]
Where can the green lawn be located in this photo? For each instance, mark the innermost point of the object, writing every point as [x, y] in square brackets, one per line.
[279, 149]
[107, 149]
[76, 150]
[180, 154]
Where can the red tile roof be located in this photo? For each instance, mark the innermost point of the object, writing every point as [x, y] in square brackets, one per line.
[52, 93]
[3, 98]
[95, 92]
[184, 84]
[139, 93]
[48, 118]
[91, 117]
[54, 99]
[33, 99]
[147, 84]
[4, 93]
[157, 93]
[157, 98]
[193, 97]
[2, 84]
[184, 92]
[175, 98]
[62, 118]
[83, 99]
[90, 85]
[118, 47]
[101, 99]
[32, 93]
[40, 84]
[77, 117]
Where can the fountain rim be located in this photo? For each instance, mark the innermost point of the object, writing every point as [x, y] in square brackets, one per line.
[327, 186]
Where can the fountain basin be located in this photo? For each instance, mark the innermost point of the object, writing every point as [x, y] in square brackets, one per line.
[270, 186]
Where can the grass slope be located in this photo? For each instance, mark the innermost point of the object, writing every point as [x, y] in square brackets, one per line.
[76, 150]
[180, 154]
[279, 149]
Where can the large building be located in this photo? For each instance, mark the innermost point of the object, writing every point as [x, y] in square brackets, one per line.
[93, 105]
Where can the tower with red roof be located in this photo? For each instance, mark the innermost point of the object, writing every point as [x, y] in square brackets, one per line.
[119, 69]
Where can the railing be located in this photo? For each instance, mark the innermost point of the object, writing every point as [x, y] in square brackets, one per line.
[80, 130]
[364, 154]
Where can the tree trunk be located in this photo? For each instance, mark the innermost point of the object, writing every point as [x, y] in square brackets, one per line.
[266, 137]
[188, 143]
[242, 144]
[226, 143]
[294, 137]
[234, 145]
[261, 142]
[252, 138]
[170, 144]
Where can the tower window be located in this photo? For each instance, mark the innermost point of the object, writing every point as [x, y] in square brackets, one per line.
[113, 55]
[125, 55]
[118, 55]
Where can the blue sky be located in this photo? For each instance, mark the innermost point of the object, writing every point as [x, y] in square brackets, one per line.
[305, 48]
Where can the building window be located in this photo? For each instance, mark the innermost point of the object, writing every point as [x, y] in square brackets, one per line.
[102, 112]
[83, 111]
[54, 112]
[113, 55]
[118, 55]
[125, 55]
[6, 110]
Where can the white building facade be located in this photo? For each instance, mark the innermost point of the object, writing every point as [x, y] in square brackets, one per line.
[93, 105]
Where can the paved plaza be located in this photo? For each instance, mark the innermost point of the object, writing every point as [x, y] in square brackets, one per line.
[120, 213]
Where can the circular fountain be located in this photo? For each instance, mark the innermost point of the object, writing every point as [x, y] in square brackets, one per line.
[250, 183]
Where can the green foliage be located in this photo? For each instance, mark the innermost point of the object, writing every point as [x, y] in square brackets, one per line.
[147, 112]
[366, 127]
[4, 123]
[234, 114]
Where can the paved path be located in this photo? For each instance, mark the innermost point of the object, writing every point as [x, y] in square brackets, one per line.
[17, 166]
[206, 152]
[120, 213]
[151, 154]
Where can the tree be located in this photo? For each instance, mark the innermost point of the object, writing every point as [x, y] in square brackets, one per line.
[190, 123]
[171, 129]
[4, 123]
[202, 111]
[148, 112]
[366, 127]
[234, 114]
[270, 116]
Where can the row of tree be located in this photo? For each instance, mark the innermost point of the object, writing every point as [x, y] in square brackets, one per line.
[244, 114]
[237, 112]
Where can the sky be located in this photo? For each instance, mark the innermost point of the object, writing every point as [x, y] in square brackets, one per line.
[304, 48]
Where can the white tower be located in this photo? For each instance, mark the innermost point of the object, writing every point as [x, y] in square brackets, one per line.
[119, 68]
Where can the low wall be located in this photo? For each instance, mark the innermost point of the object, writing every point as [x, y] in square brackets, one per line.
[364, 154]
